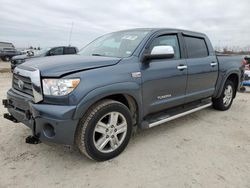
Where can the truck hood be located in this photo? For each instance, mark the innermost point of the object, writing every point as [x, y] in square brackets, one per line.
[57, 66]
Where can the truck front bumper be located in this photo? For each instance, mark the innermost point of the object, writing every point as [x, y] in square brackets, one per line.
[49, 123]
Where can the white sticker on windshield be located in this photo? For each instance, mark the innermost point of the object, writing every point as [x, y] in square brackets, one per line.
[129, 37]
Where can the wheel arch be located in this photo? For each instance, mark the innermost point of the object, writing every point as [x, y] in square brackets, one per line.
[126, 93]
[128, 101]
[234, 77]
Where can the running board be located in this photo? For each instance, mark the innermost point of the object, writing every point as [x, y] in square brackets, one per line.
[171, 116]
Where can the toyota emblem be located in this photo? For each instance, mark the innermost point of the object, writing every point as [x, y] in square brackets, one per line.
[20, 84]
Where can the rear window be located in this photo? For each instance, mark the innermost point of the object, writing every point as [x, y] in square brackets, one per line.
[196, 47]
[69, 50]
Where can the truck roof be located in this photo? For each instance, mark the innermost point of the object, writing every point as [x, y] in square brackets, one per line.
[188, 32]
[6, 45]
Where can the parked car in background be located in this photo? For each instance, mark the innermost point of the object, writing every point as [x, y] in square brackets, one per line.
[6, 45]
[246, 81]
[59, 50]
[7, 53]
[247, 59]
[28, 51]
[124, 80]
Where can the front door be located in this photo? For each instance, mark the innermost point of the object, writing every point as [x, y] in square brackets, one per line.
[164, 80]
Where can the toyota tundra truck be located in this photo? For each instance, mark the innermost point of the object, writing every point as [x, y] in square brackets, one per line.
[121, 81]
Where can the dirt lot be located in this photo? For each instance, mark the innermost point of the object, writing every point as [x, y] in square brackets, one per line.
[205, 149]
[4, 66]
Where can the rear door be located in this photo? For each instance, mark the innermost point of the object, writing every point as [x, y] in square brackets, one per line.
[202, 68]
[163, 84]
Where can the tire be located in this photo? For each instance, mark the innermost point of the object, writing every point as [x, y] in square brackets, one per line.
[6, 58]
[225, 100]
[97, 138]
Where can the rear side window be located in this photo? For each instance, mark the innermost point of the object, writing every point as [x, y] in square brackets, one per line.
[196, 47]
[56, 51]
[68, 50]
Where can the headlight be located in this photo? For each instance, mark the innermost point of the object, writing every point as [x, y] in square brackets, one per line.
[59, 87]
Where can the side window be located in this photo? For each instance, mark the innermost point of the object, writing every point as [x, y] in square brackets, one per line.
[196, 47]
[170, 40]
[69, 50]
[56, 51]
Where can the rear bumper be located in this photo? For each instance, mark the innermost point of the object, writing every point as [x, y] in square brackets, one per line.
[50, 123]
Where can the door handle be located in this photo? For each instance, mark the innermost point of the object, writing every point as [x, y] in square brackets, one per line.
[213, 64]
[182, 67]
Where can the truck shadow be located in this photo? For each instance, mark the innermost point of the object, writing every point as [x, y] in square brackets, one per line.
[141, 137]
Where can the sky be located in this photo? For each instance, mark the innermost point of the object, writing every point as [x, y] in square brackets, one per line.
[47, 23]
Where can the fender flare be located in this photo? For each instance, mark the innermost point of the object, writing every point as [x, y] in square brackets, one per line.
[131, 89]
[224, 79]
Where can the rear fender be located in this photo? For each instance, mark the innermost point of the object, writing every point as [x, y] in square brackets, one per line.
[222, 80]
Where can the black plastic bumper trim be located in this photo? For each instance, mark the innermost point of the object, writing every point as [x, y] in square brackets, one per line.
[10, 117]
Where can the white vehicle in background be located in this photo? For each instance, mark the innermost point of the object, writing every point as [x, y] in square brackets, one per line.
[30, 52]
[246, 81]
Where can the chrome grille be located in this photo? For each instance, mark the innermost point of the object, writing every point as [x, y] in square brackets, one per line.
[27, 80]
[23, 84]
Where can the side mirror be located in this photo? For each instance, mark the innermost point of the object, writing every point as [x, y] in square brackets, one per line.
[160, 52]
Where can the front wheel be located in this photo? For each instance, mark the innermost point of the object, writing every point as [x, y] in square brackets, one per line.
[225, 100]
[105, 130]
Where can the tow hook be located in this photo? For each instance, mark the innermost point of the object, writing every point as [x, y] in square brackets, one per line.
[5, 103]
[10, 117]
[32, 140]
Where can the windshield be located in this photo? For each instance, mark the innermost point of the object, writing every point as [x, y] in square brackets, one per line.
[118, 44]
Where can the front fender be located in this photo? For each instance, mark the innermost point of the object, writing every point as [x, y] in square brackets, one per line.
[129, 88]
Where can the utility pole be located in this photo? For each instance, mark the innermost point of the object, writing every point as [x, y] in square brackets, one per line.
[70, 34]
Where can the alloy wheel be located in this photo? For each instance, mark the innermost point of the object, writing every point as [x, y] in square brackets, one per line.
[110, 132]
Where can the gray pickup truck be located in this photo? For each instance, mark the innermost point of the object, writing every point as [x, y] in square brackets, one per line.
[121, 81]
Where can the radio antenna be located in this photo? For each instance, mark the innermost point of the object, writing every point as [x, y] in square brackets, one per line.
[70, 34]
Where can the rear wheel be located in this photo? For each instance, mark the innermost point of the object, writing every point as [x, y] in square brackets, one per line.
[6, 58]
[105, 130]
[225, 101]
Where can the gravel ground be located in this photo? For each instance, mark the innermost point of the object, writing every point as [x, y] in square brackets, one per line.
[205, 149]
[4, 66]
